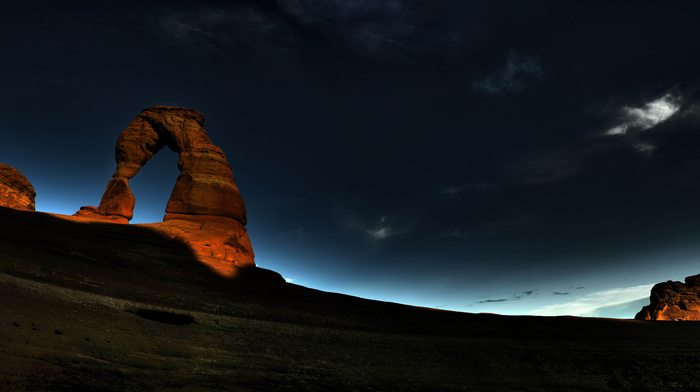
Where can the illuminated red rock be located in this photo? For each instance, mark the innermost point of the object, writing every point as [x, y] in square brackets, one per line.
[220, 242]
[673, 301]
[205, 185]
[118, 199]
[205, 209]
[15, 190]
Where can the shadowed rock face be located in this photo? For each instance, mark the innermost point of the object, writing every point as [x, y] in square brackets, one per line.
[673, 301]
[15, 190]
[205, 209]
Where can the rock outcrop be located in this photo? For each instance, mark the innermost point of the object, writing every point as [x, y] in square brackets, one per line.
[673, 301]
[15, 190]
[205, 209]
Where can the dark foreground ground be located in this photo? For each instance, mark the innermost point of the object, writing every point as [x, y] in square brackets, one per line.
[100, 307]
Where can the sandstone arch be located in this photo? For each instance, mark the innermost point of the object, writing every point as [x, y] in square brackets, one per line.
[205, 185]
[205, 209]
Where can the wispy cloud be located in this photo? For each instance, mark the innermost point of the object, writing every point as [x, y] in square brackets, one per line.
[381, 30]
[514, 297]
[387, 31]
[380, 230]
[588, 304]
[647, 116]
[512, 77]
[640, 119]
[637, 132]
[222, 29]
[219, 24]
[381, 233]
[383, 230]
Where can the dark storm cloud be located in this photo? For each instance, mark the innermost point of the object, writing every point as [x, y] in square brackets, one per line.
[560, 293]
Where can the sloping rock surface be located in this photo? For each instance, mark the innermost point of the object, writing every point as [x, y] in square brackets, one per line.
[674, 301]
[107, 307]
[15, 190]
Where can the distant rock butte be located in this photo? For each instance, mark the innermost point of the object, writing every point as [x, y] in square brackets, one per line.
[15, 190]
[205, 209]
[673, 301]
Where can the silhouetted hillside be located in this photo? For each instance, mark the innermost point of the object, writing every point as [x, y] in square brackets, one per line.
[109, 307]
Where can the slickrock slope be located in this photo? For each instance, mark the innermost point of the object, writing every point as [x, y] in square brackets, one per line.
[205, 209]
[15, 190]
[95, 306]
[673, 301]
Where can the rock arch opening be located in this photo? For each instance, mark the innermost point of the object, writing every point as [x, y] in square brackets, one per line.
[152, 186]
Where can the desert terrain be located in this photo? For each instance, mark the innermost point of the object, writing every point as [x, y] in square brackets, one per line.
[111, 307]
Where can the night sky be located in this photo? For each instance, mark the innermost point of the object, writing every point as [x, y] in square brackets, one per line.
[484, 156]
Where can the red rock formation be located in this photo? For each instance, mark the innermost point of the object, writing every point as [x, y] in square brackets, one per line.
[205, 208]
[673, 301]
[221, 243]
[15, 190]
[118, 199]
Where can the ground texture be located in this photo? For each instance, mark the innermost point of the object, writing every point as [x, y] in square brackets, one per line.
[108, 307]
